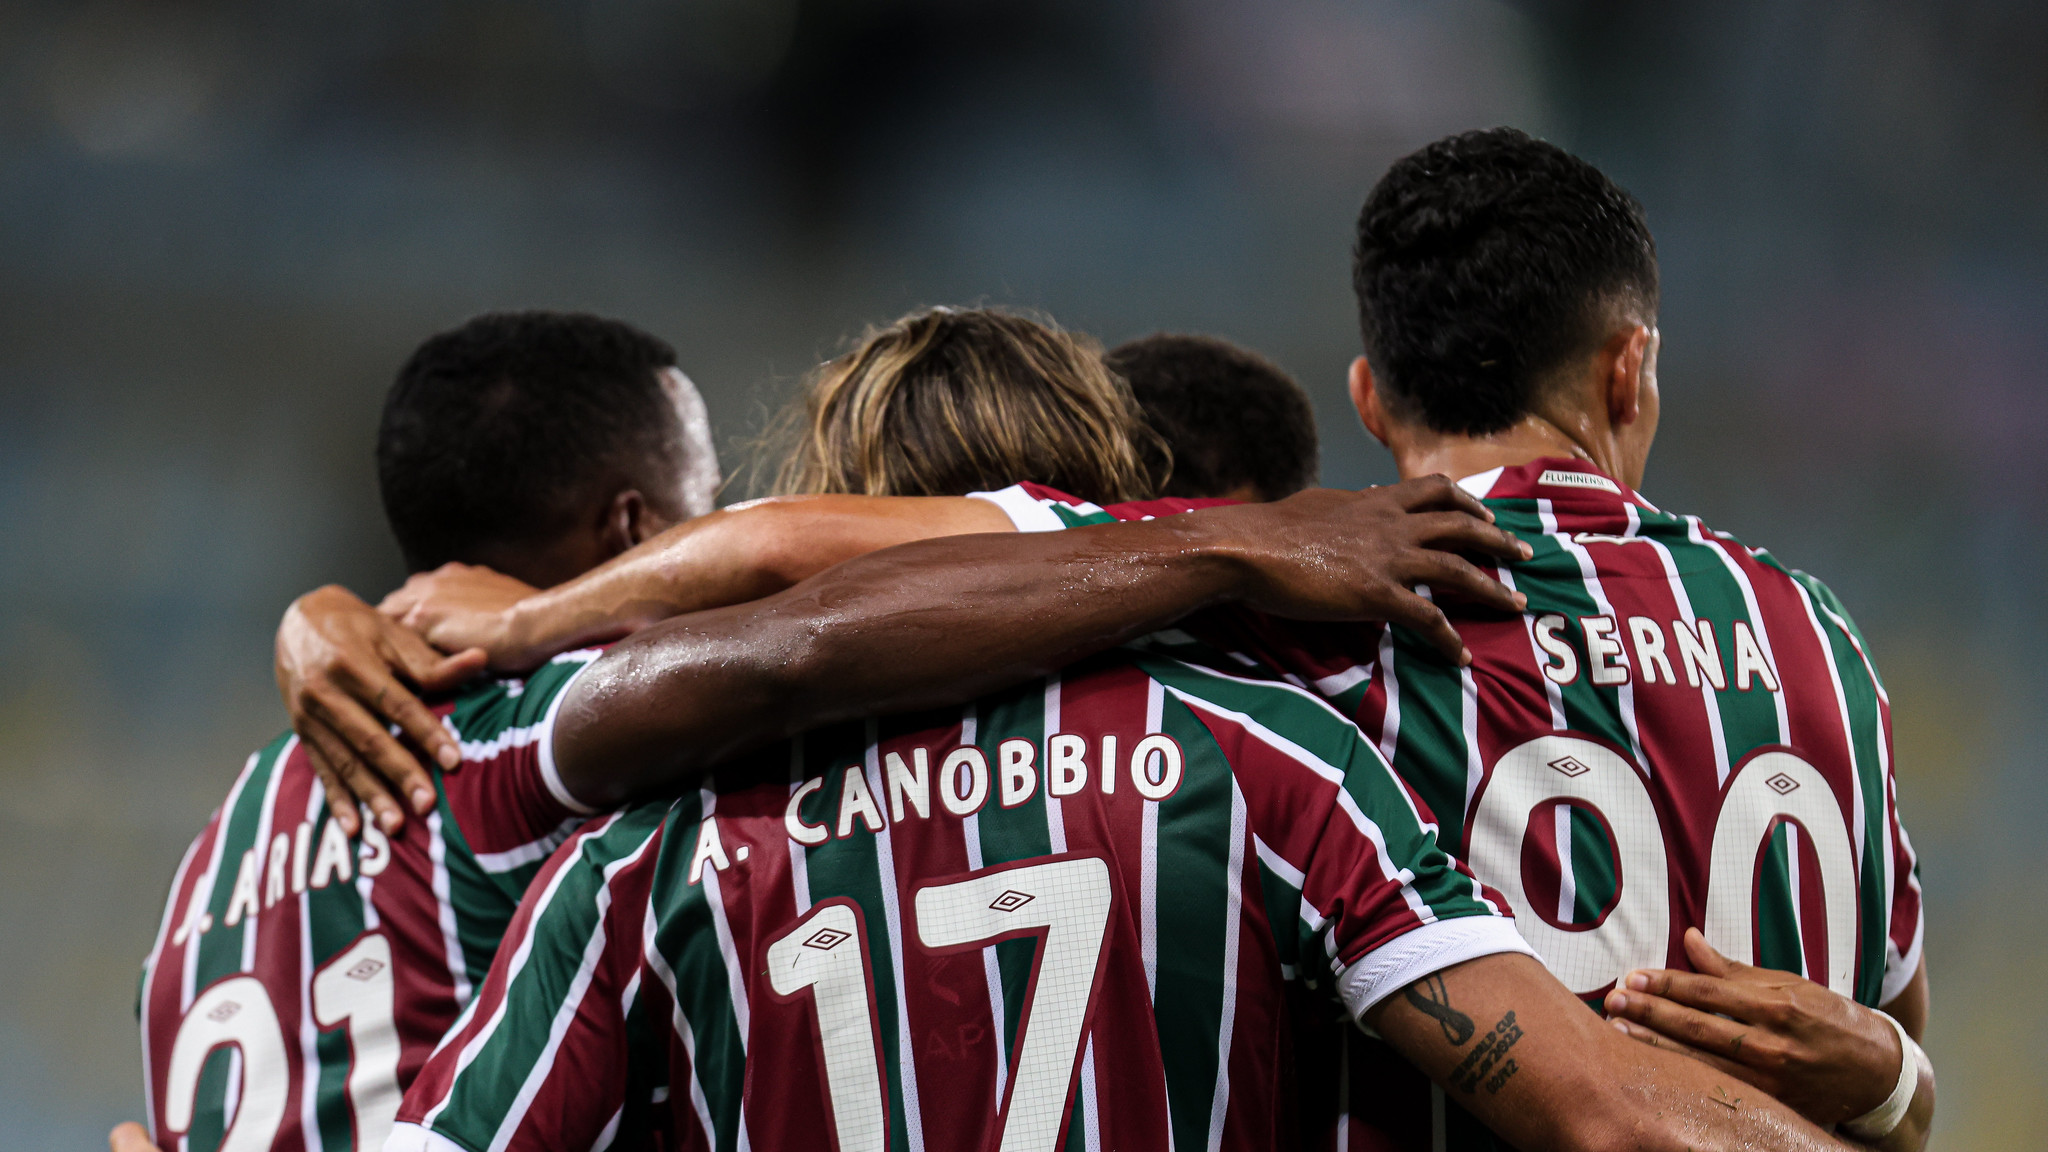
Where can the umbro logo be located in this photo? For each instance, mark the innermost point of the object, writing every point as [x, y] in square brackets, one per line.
[826, 939]
[1570, 766]
[1782, 784]
[1011, 900]
[365, 969]
[221, 1014]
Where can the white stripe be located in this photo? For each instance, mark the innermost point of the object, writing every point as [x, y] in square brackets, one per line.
[1344, 1092]
[1055, 821]
[1278, 866]
[1390, 722]
[510, 858]
[565, 1014]
[1858, 817]
[1233, 920]
[309, 1032]
[1359, 820]
[1792, 888]
[1091, 1126]
[700, 1101]
[892, 913]
[1624, 692]
[1567, 879]
[521, 952]
[1718, 547]
[196, 912]
[1888, 797]
[970, 830]
[1468, 724]
[799, 856]
[1552, 694]
[1027, 513]
[1709, 699]
[1337, 683]
[264, 824]
[1431, 948]
[1148, 855]
[544, 734]
[1480, 483]
[444, 904]
[735, 968]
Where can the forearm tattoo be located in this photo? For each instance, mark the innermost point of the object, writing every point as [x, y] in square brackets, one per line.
[1489, 1063]
[1432, 999]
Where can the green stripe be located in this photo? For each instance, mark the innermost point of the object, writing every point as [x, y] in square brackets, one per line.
[483, 902]
[561, 933]
[1777, 924]
[1749, 720]
[1073, 517]
[1592, 866]
[1555, 583]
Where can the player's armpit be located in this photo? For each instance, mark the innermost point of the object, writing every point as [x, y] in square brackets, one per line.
[1508, 1043]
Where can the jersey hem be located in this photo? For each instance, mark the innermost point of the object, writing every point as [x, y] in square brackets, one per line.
[1431, 948]
[1025, 511]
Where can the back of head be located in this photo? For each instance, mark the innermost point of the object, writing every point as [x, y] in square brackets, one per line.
[504, 430]
[1236, 424]
[949, 401]
[1485, 262]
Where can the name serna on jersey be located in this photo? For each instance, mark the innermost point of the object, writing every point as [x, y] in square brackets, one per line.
[300, 976]
[1679, 732]
[1062, 917]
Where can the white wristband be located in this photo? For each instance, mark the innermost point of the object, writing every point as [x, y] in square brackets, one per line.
[1879, 1122]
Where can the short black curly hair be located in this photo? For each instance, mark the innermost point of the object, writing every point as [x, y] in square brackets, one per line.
[1485, 261]
[1233, 420]
[500, 430]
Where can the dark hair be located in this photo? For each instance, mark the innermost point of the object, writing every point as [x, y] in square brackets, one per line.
[1231, 418]
[1486, 260]
[954, 400]
[503, 430]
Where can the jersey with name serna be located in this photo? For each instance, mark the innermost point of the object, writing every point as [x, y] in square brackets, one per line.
[1061, 917]
[301, 976]
[1679, 732]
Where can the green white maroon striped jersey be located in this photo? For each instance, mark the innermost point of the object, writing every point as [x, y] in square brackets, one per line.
[300, 977]
[1680, 732]
[1060, 918]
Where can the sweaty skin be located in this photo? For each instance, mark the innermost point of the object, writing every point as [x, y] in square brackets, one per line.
[1381, 542]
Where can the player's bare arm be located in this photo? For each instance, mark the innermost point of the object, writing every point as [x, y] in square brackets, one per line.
[728, 557]
[1823, 1054]
[941, 621]
[1506, 1041]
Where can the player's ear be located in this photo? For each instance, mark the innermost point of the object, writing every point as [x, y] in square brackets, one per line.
[1624, 358]
[1365, 396]
[627, 521]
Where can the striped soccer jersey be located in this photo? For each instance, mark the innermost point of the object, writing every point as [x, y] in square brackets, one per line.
[300, 977]
[1061, 917]
[1679, 732]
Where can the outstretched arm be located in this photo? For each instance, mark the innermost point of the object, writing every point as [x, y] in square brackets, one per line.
[941, 621]
[1505, 1040]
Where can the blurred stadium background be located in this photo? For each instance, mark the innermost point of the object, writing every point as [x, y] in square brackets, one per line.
[223, 224]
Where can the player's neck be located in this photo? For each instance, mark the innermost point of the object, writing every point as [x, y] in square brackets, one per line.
[1422, 452]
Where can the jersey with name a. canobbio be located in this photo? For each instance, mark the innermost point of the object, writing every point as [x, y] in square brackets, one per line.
[1679, 732]
[1061, 917]
[301, 976]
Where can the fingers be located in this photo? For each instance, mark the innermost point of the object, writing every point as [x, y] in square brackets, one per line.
[1637, 1032]
[1426, 620]
[1459, 578]
[316, 739]
[451, 672]
[129, 1137]
[1710, 993]
[1438, 493]
[394, 703]
[1459, 532]
[365, 757]
[1701, 1030]
[1705, 957]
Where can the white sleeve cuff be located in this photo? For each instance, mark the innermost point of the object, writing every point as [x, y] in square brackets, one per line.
[414, 1138]
[1026, 512]
[545, 738]
[1431, 948]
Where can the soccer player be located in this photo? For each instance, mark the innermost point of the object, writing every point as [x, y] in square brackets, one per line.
[1237, 424]
[1061, 915]
[1677, 734]
[307, 964]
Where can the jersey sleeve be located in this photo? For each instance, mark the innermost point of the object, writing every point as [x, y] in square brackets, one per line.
[1905, 921]
[1037, 508]
[540, 1059]
[506, 796]
[1378, 904]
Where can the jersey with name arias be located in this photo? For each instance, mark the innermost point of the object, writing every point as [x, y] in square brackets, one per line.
[1061, 917]
[301, 976]
[1680, 732]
